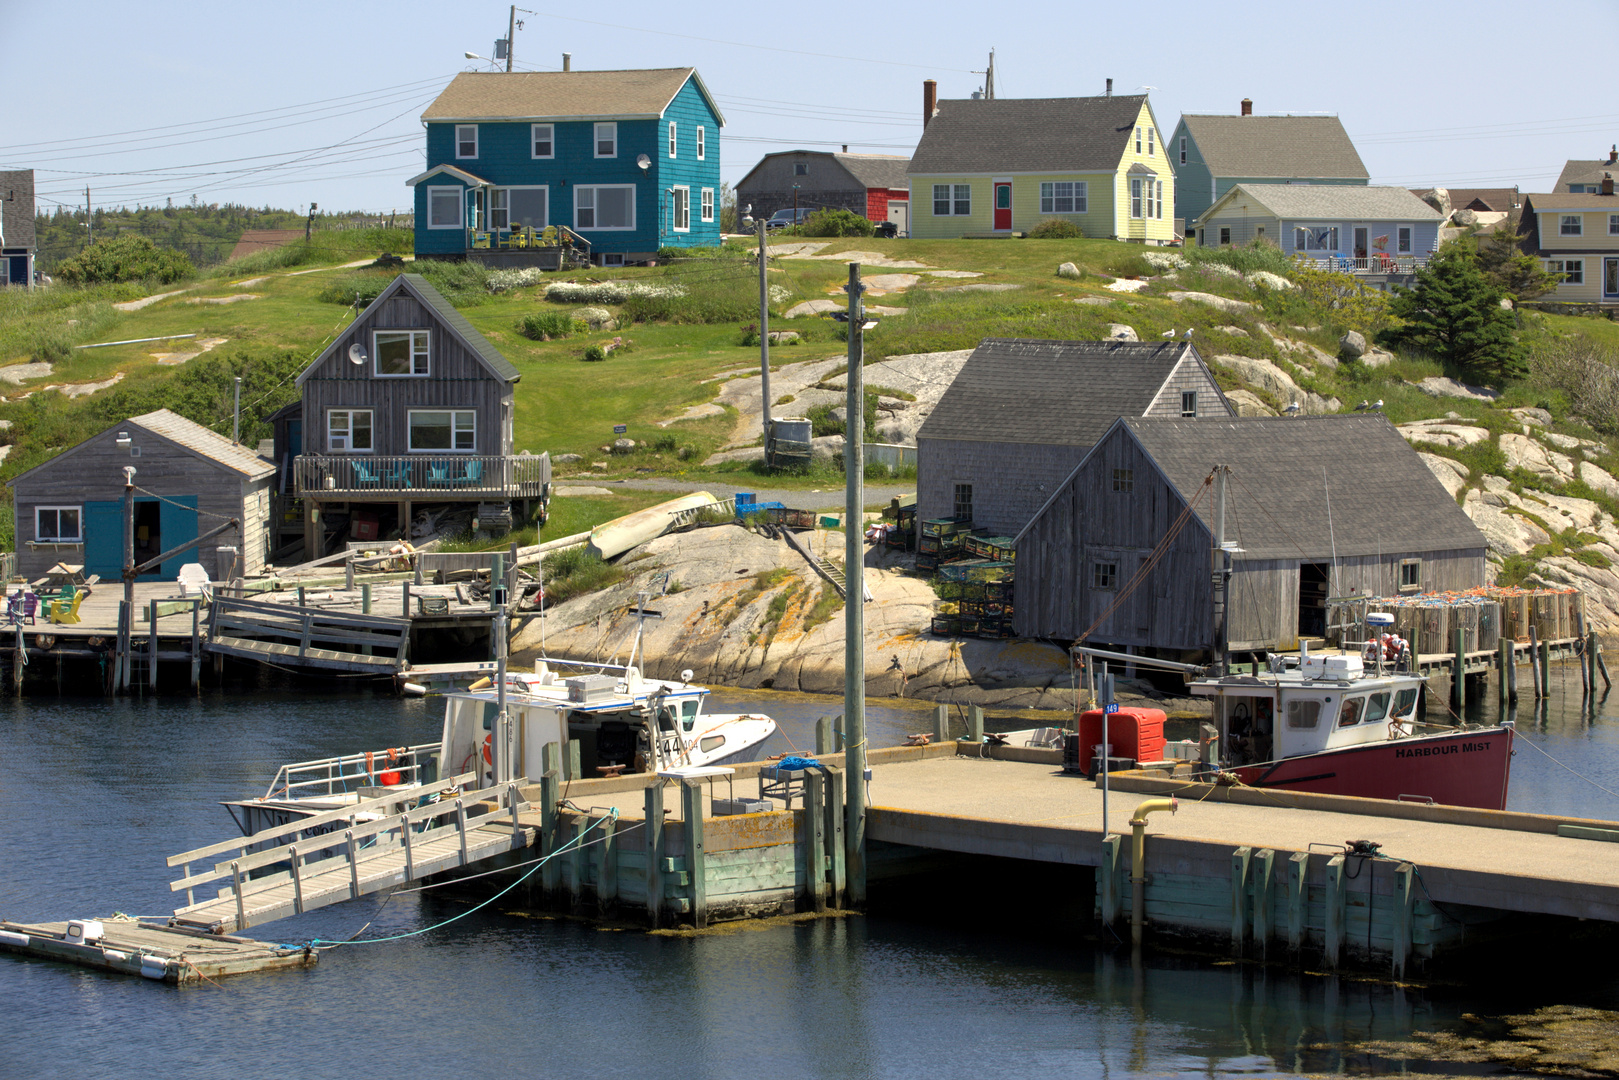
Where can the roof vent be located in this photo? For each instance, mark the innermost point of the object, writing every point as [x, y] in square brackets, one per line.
[1110, 88]
[1247, 106]
[1613, 155]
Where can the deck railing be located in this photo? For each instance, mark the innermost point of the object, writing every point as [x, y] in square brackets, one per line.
[1370, 264]
[447, 476]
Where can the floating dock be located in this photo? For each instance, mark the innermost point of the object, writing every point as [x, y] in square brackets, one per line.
[163, 953]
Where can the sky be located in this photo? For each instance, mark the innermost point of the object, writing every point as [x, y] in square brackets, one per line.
[299, 101]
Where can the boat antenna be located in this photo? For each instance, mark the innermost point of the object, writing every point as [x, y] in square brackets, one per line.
[1332, 536]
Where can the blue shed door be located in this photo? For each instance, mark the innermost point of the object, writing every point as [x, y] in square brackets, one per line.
[104, 540]
[179, 524]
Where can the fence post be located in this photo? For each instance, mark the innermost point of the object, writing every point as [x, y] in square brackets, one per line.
[151, 673]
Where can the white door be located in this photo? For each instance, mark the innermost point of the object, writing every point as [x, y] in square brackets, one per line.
[899, 212]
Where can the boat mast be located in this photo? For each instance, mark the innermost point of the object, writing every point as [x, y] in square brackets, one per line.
[1221, 567]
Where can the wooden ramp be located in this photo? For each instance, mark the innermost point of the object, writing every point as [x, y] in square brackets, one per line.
[164, 953]
[344, 854]
[307, 636]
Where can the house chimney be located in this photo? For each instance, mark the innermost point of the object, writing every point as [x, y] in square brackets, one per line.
[567, 61]
[1247, 106]
[845, 148]
[1607, 184]
[1110, 88]
[1613, 155]
[930, 100]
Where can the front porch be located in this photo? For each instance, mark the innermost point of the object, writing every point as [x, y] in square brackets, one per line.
[423, 477]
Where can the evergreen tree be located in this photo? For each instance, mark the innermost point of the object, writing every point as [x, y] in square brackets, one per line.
[1454, 313]
[1519, 275]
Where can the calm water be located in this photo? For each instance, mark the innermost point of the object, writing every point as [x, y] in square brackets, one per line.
[95, 793]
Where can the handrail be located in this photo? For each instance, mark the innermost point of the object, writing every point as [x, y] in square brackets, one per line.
[432, 473]
[283, 781]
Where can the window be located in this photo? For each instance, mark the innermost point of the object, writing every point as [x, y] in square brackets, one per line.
[1189, 403]
[952, 200]
[1349, 715]
[710, 743]
[702, 146]
[58, 525]
[1303, 715]
[1573, 270]
[1151, 134]
[1064, 197]
[607, 140]
[672, 138]
[1135, 197]
[800, 168]
[706, 205]
[1405, 701]
[1138, 140]
[466, 140]
[1315, 238]
[1572, 225]
[964, 502]
[544, 138]
[515, 208]
[1377, 707]
[1402, 240]
[1613, 224]
[451, 430]
[444, 207]
[604, 207]
[399, 352]
[349, 430]
[1158, 200]
[1225, 235]
[1104, 575]
[680, 209]
[1259, 232]
[1183, 149]
[1124, 480]
[1410, 575]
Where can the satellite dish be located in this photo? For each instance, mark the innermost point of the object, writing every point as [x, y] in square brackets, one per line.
[643, 161]
[356, 354]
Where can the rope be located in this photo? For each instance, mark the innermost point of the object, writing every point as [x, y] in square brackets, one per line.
[1571, 769]
[183, 506]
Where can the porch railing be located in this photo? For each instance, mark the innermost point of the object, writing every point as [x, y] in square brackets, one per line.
[552, 236]
[446, 476]
[1370, 264]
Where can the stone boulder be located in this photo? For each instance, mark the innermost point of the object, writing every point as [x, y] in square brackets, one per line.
[567, 459]
[1598, 479]
[1247, 403]
[813, 307]
[1263, 374]
[1443, 434]
[1507, 533]
[1587, 447]
[597, 318]
[783, 337]
[1525, 453]
[1069, 270]
[1452, 474]
[1464, 217]
[1121, 332]
[623, 446]
[839, 415]
[1234, 331]
[1352, 344]
[1531, 415]
[1224, 303]
[1439, 386]
[1376, 358]
[1439, 199]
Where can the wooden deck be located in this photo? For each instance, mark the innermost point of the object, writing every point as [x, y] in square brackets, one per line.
[163, 953]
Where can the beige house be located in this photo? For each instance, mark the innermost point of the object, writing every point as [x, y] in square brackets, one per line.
[1576, 235]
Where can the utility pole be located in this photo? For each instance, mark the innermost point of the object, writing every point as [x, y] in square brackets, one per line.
[511, 36]
[854, 624]
[89, 217]
[236, 414]
[764, 339]
[1220, 566]
[126, 617]
[989, 78]
[310, 224]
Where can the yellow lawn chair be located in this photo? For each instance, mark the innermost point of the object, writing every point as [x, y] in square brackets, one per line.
[66, 610]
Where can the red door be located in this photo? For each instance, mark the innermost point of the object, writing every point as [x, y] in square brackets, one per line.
[1003, 204]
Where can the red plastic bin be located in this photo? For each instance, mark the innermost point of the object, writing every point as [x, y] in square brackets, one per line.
[1134, 733]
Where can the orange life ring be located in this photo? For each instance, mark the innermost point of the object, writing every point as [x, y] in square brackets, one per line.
[488, 740]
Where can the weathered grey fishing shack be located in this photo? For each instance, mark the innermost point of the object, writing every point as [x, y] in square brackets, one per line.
[1021, 414]
[1315, 506]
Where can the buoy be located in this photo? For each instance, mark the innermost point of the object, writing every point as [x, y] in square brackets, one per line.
[482, 684]
[412, 689]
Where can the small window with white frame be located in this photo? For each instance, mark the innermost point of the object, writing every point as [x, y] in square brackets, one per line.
[607, 139]
[452, 431]
[444, 207]
[1183, 149]
[1613, 224]
[681, 207]
[673, 143]
[1152, 134]
[1572, 271]
[544, 141]
[706, 206]
[1138, 141]
[1189, 403]
[1315, 238]
[1404, 240]
[952, 200]
[466, 141]
[58, 525]
[1104, 575]
[1225, 235]
[1571, 225]
[349, 431]
[400, 353]
[1410, 575]
[1135, 197]
[702, 144]
[1064, 196]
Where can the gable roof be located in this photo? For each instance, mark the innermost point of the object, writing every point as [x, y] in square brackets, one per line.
[641, 94]
[1027, 135]
[186, 434]
[17, 204]
[1276, 501]
[1584, 172]
[877, 170]
[1054, 393]
[1497, 200]
[419, 288]
[1276, 146]
[1568, 200]
[451, 171]
[1331, 202]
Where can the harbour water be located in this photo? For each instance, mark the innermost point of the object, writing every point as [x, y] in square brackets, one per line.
[95, 793]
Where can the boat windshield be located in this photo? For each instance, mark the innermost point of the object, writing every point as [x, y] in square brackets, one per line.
[1377, 707]
[688, 713]
[1349, 714]
[1405, 701]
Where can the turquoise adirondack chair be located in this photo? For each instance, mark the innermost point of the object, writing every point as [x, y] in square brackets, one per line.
[364, 477]
[473, 474]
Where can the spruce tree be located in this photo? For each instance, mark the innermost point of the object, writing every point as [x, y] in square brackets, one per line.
[1454, 313]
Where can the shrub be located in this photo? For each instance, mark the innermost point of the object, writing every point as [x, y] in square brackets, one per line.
[595, 352]
[1130, 266]
[126, 257]
[501, 280]
[835, 223]
[546, 325]
[360, 288]
[463, 283]
[709, 296]
[1249, 258]
[1585, 373]
[575, 572]
[1056, 229]
[608, 292]
[748, 336]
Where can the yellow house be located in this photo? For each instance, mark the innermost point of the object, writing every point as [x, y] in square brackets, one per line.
[1577, 237]
[998, 167]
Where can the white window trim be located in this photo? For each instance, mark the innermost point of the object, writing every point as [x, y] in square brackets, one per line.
[1613, 224]
[1563, 221]
[460, 206]
[705, 205]
[1184, 395]
[1337, 236]
[459, 128]
[1225, 236]
[1413, 230]
[596, 138]
[1183, 149]
[59, 539]
[376, 353]
[1152, 134]
[674, 141]
[603, 228]
[702, 144]
[674, 207]
[1415, 586]
[534, 137]
[1561, 266]
[1081, 196]
[1136, 204]
[410, 431]
[508, 207]
[350, 449]
[1138, 140]
[955, 200]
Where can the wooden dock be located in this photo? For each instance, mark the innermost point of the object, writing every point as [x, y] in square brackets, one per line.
[163, 953]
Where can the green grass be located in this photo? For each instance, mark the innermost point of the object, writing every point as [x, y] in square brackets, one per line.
[578, 571]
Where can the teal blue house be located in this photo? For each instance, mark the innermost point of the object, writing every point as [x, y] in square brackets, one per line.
[628, 161]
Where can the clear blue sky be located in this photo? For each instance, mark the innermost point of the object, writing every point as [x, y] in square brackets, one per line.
[297, 101]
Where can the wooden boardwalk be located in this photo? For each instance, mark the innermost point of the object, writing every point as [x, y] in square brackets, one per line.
[164, 953]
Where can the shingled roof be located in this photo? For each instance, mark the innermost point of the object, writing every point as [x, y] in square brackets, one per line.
[563, 95]
[1055, 393]
[1333, 202]
[1027, 135]
[1262, 146]
[1283, 470]
[876, 170]
[1584, 172]
[17, 204]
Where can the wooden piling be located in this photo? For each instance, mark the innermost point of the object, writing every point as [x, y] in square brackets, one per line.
[823, 735]
[1108, 879]
[365, 598]
[941, 723]
[405, 588]
[574, 770]
[1298, 866]
[1337, 910]
[975, 723]
[1509, 669]
[1405, 898]
[1589, 662]
[837, 734]
[1503, 652]
[1458, 669]
[1602, 669]
[1241, 858]
[550, 784]
[654, 854]
[576, 860]
[834, 836]
[151, 656]
[1546, 667]
[815, 834]
[607, 866]
[196, 645]
[1259, 873]
[691, 808]
[1534, 662]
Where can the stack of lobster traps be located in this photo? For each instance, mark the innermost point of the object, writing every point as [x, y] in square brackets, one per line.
[978, 599]
[939, 541]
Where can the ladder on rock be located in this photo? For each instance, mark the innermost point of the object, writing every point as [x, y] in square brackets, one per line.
[833, 573]
[344, 854]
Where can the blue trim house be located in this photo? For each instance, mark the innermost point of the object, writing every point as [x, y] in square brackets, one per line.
[628, 160]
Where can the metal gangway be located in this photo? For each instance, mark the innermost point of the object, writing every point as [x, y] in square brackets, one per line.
[365, 847]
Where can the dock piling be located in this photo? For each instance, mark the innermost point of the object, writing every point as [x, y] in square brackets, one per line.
[574, 772]
[691, 807]
[975, 723]
[1260, 874]
[1589, 662]
[1458, 669]
[1504, 654]
[1108, 875]
[151, 655]
[1336, 910]
[1298, 866]
[823, 735]
[365, 598]
[654, 855]
[1405, 898]
[196, 645]
[1546, 667]
[1534, 663]
[941, 723]
[834, 835]
[1241, 859]
[815, 830]
[550, 761]
[607, 866]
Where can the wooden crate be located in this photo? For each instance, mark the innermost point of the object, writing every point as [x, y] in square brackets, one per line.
[946, 625]
[945, 526]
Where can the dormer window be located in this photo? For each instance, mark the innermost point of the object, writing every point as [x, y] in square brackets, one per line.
[607, 140]
[466, 140]
[399, 353]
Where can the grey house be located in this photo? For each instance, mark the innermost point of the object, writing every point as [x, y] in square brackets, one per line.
[1391, 528]
[1022, 413]
[408, 406]
[188, 480]
[1213, 154]
[872, 185]
[18, 245]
